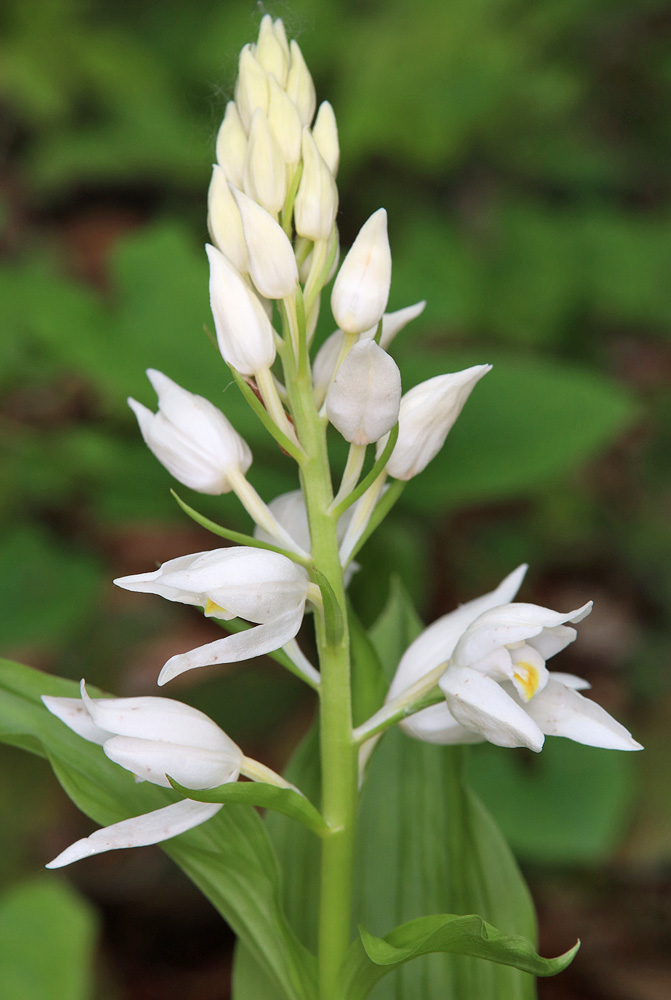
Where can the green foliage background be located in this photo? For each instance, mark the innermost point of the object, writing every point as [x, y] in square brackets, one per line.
[522, 151]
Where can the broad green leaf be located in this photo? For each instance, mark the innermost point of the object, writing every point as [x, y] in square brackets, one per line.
[47, 934]
[230, 858]
[282, 800]
[526, 424]
[371, 958]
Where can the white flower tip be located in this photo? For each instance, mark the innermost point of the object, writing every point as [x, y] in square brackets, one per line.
[75, 852]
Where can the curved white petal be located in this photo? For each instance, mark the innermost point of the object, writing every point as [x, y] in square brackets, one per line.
[479, 703]
[240, 646]
[436, 643]
[561, 711]
[435, 724]
[194, 767]
[73, 713]
[570, 680]
[140, 831]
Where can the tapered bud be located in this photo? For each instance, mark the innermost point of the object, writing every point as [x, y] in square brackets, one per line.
[317, 197]
[300, 87]
[272, 264]
[232, 145]
[284, 122]
[427, 415]
[244, 334]
[224, 222]
[265, 174]
[271, 55]
[251, 88]
[325, 135]
[361, 289]
[281, 36]
[363, 402]
[191, 437]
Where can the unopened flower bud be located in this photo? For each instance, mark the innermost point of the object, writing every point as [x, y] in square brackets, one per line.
[224, 222]
[325, 135]
[300, 87]
[265, 174]
[361, 289]
[284, 122]
[363, 402]
[244, 334]
[272, 263]
[232, 145]
[317, 197]
[270, 54]
[428, 413]
[251, 88]
[191, 437]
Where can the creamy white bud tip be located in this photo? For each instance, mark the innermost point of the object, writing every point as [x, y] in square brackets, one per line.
[271, 54]
[285, 123]
[265, 173]
[224, 222]
[244, 334]
[364, 400]
[251, 88]
[361, 289]
[232, 145]
[191, 437]
[427, 415]
[317, 197]
[325, 135]
[300, 87]
[272, 263]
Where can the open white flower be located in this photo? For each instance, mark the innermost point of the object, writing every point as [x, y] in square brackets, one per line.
[495, 681]
[152, 738]
[240, 582]
[191, 437]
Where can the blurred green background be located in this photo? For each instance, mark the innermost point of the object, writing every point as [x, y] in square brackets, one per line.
[523, 152]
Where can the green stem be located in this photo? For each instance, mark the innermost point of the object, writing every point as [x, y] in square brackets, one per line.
[338, 752]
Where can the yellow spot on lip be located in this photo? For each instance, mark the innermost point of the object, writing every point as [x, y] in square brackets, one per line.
[528, 679]
[214, 609]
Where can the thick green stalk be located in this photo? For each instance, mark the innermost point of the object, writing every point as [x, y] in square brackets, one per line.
[338, 752]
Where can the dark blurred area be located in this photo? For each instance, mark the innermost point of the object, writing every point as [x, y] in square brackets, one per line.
[523, 152]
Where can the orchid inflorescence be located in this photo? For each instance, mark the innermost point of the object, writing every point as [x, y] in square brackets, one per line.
[476, 674]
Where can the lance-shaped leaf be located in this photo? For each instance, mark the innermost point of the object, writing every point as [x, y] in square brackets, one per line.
[372, 957]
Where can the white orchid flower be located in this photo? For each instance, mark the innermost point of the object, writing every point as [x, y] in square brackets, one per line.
[260, 586]
[495, 681]
[152, 738]
[192, 438]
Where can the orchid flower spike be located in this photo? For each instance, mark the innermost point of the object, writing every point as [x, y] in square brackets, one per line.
[490, 657]
[152, 738]
[191, 437]
[260, 586]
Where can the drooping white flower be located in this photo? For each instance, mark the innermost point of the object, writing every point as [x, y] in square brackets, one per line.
[191, 437]
[361, 289]
[495, 681]
[152, 738]
[244, 333]
[363, 401]
[260, 586]
[272, 264]
[428, 413]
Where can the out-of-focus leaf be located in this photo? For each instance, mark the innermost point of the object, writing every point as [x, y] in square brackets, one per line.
[526, 424]
[47, 935]
[230, 857]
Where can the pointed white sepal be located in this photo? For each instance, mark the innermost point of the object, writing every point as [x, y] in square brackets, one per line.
[265, 174]
[316, 202]
[270, 53]
[232, 145]
[300, 87]
[361, 289]
[285, 123]
[559, 710]
[251, 88]
[224, 222]
[272, 264]
[364, 399]
[325, 135]
[481, 705]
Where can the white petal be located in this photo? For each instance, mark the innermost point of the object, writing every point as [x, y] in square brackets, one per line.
[571, 681]
[361, 289]
[73, 713]
[479, 703]
[194, 767]
[436, 643]
[140, 831]
[435, 724]
[240, 646]
[153, 718]
[364, 399]
[561, 711]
